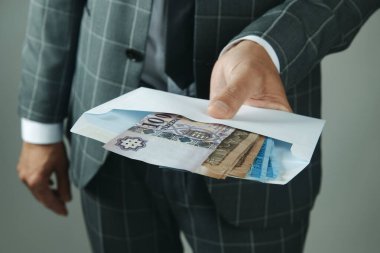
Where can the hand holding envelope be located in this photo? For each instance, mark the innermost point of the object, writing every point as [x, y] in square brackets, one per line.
[294, 136]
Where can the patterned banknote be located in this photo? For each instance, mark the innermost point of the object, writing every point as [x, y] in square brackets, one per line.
[244, 165]
[170, 140]
[228, 154]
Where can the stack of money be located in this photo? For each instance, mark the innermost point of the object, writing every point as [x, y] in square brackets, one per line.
[213, 150]
[234, 156]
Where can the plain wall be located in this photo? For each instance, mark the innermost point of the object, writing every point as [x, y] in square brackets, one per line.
[346, 215]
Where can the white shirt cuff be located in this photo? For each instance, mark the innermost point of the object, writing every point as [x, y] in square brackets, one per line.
[272, 54]
[41, 133]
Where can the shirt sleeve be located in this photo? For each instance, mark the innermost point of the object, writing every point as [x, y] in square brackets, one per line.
[262, 42]
[41, 133]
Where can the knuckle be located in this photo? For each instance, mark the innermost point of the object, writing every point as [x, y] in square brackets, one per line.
[22, 178]
[20, 168]
[34, 181]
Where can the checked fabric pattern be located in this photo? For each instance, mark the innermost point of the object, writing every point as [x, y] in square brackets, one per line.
[79, 54]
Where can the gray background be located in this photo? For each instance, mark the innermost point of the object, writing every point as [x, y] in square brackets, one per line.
[346, 216]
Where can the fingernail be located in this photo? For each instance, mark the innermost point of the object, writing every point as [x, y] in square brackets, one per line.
[220, 107]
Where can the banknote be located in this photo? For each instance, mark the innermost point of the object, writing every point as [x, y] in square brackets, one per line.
[273, 172]
[213, 150]
[170, 140]
[260, 165]
[228, 154]
[244, 165]
[262, 168]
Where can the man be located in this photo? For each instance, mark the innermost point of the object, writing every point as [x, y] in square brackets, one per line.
[79, 54]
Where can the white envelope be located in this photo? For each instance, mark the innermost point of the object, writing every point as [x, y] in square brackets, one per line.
[296, 136]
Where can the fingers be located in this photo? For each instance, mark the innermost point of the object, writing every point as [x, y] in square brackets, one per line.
[36, 165]
[63, 185]
[50, 199]
[227, 103]
[39, 186]
[273, 103]
[245, 74]
[234, 95]
[218, 81]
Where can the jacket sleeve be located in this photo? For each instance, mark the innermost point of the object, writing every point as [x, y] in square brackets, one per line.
[302, 32]
[48, 59]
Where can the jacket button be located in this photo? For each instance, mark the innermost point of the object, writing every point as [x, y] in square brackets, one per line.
[134, 55]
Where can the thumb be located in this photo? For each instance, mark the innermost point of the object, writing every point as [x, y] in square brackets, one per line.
[227, 103]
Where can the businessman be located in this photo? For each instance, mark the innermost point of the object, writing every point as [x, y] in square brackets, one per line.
[79, 54]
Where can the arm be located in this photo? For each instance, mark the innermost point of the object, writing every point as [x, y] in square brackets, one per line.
[301, 32]
[48, 64]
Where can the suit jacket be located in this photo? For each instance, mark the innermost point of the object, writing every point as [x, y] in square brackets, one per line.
[79, 54]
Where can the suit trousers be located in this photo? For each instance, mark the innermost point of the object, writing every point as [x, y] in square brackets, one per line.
[131, 206]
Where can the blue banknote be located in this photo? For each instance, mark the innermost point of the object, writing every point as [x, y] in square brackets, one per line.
[264, 167]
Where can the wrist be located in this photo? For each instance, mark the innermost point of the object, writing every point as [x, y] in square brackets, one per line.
[253, 49]
[42, 145]
[251, 54]
[259, 42]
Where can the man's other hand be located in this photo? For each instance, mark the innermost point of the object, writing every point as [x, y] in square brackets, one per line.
[37, 165]
[245, 74]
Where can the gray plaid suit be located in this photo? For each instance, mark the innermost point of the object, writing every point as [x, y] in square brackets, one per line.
[75, 58]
